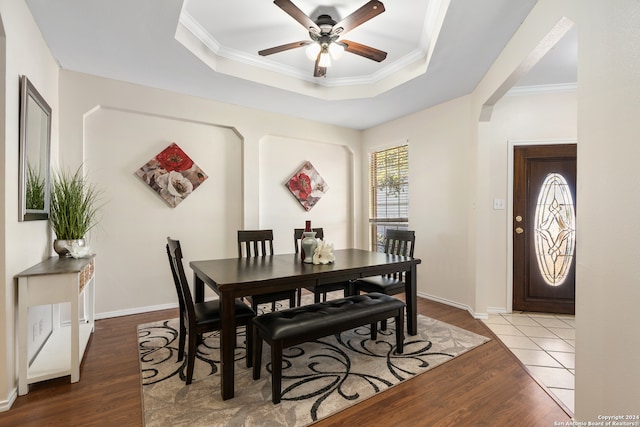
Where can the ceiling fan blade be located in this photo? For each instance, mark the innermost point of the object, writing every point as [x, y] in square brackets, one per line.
[364, 50]
[319, 71]
[366, 12]
[297, 14]
[282, 48]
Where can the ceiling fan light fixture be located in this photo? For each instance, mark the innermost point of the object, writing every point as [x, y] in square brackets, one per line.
[325, 59]
[336, 50]
[312, 51]
[324, 33]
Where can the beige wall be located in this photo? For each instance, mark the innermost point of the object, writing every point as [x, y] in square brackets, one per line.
[535, 118]
[116, 127]
[279, 158]
[23, 51]
[440, 145]
[608, 272]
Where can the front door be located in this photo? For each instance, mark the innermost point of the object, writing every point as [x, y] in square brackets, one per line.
[544, 224]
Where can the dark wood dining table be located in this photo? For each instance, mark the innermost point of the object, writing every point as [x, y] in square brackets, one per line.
[233, 278]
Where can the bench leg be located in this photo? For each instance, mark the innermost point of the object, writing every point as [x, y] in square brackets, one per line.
[374, 331]
[400, 331]
[276, 372]
[257, 353]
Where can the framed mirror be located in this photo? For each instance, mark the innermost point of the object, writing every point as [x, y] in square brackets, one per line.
[35, 148]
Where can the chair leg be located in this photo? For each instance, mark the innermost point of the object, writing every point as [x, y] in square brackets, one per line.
[299, 297]
[273, 306]
[257, 353]
[400, 332]
[249, 340]
[292, 301]
[276, 371]
[316, 296]
[383, 325]
[191, 357]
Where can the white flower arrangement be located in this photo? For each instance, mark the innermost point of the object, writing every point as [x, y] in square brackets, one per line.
[78, 251]
[323, 253]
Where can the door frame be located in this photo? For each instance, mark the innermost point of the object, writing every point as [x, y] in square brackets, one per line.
[511, 144]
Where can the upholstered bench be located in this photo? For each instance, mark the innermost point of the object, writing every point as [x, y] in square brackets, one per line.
[285, 328]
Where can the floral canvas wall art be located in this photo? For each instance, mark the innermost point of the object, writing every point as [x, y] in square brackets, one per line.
[172, 174]
[307, 186]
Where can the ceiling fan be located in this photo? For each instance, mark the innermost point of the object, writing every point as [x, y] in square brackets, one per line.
[324, 33]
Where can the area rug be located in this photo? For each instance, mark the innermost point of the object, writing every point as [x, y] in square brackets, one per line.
[319, 378]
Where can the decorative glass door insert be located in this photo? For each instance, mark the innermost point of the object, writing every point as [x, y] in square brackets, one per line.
[554, 229]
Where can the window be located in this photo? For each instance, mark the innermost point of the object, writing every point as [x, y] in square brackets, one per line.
[388, 192]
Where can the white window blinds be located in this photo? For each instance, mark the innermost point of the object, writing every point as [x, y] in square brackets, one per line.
[389, 191]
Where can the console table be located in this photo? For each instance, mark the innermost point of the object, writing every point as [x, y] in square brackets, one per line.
[54, 281]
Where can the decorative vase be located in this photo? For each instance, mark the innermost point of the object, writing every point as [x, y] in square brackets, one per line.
[309, 245]
[307, 228]
[62, 246]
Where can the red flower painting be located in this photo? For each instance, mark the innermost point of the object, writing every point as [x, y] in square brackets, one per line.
[307, 186]
[172, 174]
[173, 158]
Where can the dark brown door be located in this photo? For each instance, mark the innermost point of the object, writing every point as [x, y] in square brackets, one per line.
[544, 228]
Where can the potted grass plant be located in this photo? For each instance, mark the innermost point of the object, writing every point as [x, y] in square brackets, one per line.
[73, 210]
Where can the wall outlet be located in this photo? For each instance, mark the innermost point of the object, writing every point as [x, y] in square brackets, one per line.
[498, 204]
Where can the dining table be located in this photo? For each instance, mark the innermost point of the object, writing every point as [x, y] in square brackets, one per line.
[233, 278]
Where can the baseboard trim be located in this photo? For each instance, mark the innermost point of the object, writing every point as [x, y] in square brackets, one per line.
[147, 309]
[137, 310]
[5, 405]
[480, 316]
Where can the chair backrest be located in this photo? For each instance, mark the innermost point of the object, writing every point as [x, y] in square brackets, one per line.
[399, 242]
[180, 279]
[297, 235]
[253, 243]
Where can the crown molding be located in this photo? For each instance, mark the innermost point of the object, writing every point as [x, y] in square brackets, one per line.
[542, 89]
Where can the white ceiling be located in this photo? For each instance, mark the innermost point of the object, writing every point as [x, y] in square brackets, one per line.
[437, 51]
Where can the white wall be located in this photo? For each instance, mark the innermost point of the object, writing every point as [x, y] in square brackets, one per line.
[542, 118]
[608, 270]
[23, 51]
[247, 154]
[440, 145]
[132, 272]
[280, 211]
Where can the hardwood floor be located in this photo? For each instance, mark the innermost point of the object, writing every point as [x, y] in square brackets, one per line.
[485, 387]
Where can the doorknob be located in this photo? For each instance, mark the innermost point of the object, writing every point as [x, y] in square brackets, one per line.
[519, 230]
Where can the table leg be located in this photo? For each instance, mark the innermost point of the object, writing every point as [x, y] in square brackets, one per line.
[198, 285]
[227, 344]
[411, 295]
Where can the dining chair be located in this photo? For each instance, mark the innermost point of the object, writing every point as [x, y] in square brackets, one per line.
[396, 242]
[201, 317]
[318, 290]
[255, 243]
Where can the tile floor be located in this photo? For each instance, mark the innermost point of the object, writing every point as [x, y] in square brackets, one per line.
[545, 344]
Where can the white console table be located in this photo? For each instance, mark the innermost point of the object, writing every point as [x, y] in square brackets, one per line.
[56, 280]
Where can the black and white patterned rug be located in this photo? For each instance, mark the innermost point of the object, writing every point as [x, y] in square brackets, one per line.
[319, 378]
